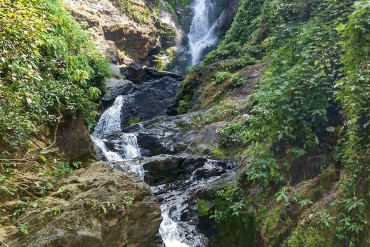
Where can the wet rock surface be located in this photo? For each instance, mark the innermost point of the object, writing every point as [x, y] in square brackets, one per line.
[177, 177]
[143, 100]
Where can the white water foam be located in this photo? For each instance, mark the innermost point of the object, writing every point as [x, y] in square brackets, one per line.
[110, 120]
[169, 230]
[202, 32]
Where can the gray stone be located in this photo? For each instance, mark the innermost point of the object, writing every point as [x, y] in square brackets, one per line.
[93, 211]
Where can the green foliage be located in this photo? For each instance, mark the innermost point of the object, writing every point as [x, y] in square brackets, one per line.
[324, 220]
[134, 120]
[308, 236]
[239, 34]
[264, 168]
[221, 76]
[127, 201]
[223, 111]
[218, 154]
[61, 168]
[291, 116]
[287, 197]
[48, 69]
[313, 98]
[203, 207]
[236, 225]
[353, 94]
[230, 203]
[136, 12]
[23, 229]
[231, 134]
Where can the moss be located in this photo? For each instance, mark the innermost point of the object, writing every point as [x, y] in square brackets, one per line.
[272, 220]
[164, 59]
[138, 13]
[203, 207]
[309, 236]
[134, 120]
[218, 153]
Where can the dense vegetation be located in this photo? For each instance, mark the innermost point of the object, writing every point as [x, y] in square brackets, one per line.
[49, 73]
[48, 69]
[312, 102]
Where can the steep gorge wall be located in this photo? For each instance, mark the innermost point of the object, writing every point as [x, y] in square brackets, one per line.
[50, 193]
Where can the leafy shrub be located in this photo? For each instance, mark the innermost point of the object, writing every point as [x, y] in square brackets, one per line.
[236, 225]
[221, 76]
[231, 134]
[48, 69]
[224, 111]
[203, 207]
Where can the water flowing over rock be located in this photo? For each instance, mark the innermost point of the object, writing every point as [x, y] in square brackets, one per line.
[110, 121]
[202, 32]
[156, 148]
[176, 178]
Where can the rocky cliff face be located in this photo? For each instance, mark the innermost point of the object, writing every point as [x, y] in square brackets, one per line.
[96, 207]
[125, 31]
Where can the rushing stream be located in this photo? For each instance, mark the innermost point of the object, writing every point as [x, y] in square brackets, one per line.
[172, 233]
[122, 151]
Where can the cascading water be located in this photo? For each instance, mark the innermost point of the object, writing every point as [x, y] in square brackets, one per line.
[110, 122]
[202, 31]
[172, 230]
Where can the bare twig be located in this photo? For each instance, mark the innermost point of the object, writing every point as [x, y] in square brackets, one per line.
[1, 242]
[55, 137]
[55, 134]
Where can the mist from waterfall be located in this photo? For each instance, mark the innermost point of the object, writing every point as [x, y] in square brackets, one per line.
[202, 32]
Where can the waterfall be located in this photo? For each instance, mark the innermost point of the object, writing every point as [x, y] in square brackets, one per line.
[110, 120]
[201, 35]
[109, 156]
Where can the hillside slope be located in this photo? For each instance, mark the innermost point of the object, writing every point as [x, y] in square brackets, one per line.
[302, 133]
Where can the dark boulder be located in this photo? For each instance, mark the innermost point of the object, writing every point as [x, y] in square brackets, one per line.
[152, 99]
[116, 87]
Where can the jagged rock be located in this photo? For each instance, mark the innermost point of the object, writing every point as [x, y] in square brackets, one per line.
[93, 210]
[93, 15]
[207, 139]
[137, 43]
[162, 167]
[163, 135]
[227, 17]
[112, 31]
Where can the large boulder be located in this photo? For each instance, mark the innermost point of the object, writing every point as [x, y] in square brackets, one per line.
[73, 140]
[96, 207]
[151, 100]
